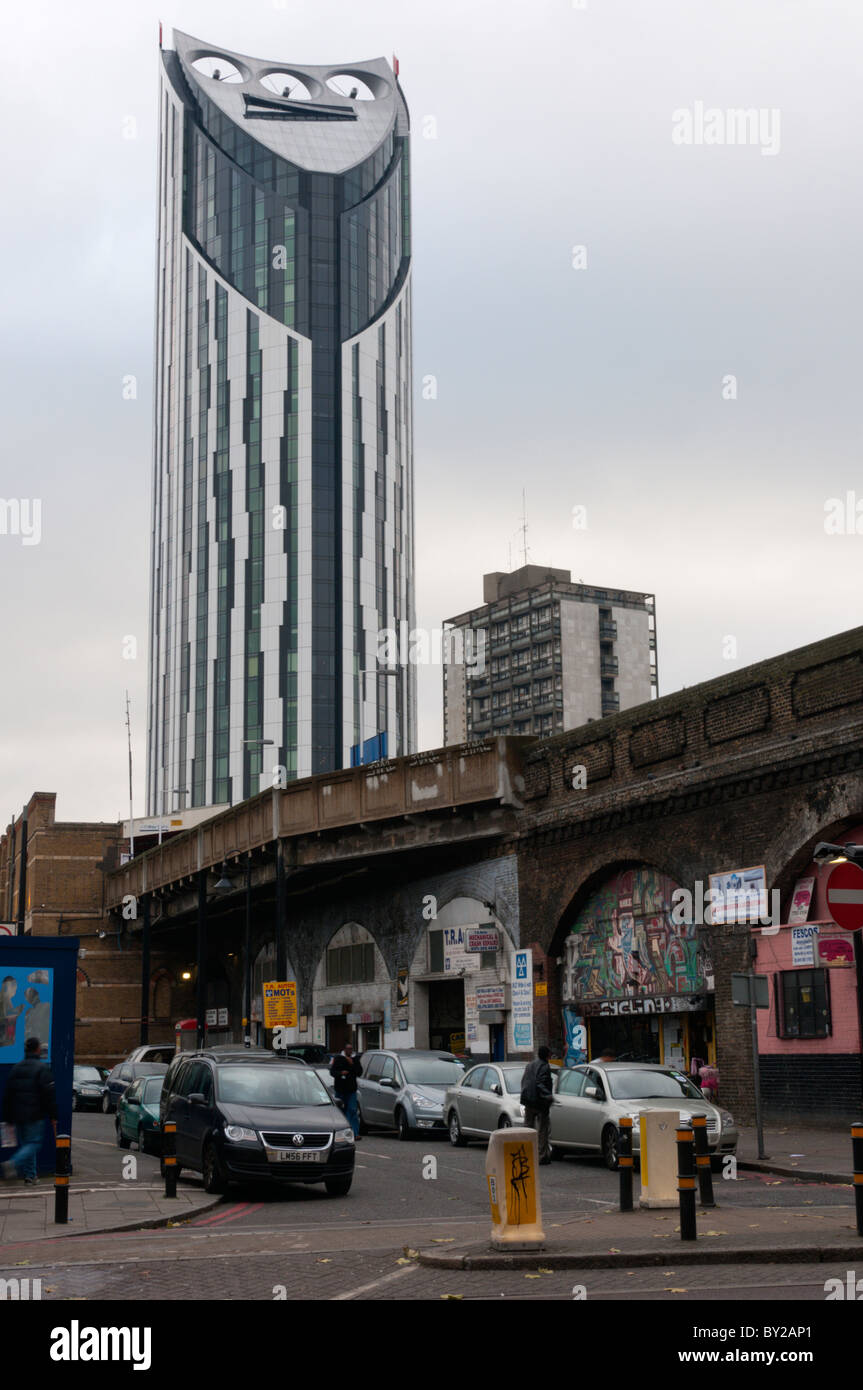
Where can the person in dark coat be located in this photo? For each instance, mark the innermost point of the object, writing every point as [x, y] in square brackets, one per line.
[29, 1100]
[344, 1069]
[537, 1095]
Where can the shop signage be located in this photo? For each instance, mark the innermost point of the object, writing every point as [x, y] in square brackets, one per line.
[456, 959]
[738, 895]
[280, 1003]
[541, 989]
[483, 939]
[210, 1017]
[521, 970]
[365, 1018]
[835, 950]
[402, 988]
[644, 1004]
[801, 900]
[222, 1020]
[803, 941]
[491, 997]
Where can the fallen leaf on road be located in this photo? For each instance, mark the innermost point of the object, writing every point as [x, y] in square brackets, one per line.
[754, 1225]
[324, 1262]
[630, 1274]
[544, 1271]
[399, 1261]
[443, 1240]
[412, 1254]
[677, 1291]
[777, 1183]
[452, 1295]
[662, 1235]
[715, 1233]
[613, 1250]
[531, 1276]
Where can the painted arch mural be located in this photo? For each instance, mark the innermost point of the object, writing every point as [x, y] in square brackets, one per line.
[624, 943]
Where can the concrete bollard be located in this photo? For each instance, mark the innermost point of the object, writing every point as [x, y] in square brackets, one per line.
[512, 1173]
[658, 1159]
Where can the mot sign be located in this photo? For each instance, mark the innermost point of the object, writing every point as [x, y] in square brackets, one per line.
[845, 896]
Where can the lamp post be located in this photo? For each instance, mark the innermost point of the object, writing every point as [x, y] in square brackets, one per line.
[224, 885]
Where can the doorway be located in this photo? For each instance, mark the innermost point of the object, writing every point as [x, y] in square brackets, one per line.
[446, 1012]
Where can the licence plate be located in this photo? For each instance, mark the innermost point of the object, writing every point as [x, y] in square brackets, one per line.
[293, 1156]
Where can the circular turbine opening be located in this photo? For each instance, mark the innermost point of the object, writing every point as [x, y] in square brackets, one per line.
[348, 86]
[218, 69]
[285, 84]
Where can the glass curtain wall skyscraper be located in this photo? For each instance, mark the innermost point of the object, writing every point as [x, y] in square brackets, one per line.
[282, 539]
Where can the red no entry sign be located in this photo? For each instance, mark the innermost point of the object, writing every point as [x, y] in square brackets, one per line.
[845, 896]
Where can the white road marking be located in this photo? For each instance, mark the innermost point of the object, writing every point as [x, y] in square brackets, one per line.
[366, 1288]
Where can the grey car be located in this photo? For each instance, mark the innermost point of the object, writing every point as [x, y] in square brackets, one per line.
[486, 1098]
[404, 1090]
[590, 1100]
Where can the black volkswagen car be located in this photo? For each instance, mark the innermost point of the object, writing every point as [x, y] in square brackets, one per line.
[247, 1116]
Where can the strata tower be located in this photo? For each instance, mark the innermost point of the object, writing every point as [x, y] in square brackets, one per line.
[282, 535]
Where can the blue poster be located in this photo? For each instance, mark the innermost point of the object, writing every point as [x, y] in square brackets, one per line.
[576, 1039]
[26, 997]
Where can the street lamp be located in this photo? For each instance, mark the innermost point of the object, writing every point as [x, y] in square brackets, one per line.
[825, 853]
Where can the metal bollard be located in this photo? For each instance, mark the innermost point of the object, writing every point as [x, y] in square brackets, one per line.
[857, 1155]
[702, 1160]
[62, 1170]
[686, 1183]
[625, 1161]
[169, 1157]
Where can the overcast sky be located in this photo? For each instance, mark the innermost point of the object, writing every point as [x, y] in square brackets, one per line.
[537, 127]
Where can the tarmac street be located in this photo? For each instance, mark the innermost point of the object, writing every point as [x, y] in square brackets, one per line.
[416, 1226]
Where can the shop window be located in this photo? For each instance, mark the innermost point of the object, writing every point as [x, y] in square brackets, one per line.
[803, 1003]
[351, 965]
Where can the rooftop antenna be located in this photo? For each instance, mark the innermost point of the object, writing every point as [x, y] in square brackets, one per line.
[523, 528]
[131, 821]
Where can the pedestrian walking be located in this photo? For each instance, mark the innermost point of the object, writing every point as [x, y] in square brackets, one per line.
[344, 1069]
[537, 1094]
[29, 1100]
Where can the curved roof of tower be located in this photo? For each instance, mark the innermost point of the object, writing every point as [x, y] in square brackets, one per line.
[328, 133]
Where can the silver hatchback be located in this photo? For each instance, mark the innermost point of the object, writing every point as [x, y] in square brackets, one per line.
[487, 1098]
[404, 1089]
[589, 1102]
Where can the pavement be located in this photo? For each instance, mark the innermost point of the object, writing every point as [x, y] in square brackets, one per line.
[779, 1235]
[27, 1213]
[813, 1154]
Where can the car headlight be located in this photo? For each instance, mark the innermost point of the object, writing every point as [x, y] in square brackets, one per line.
[238, 1134]
[520, 1111]
[423, 1102]
[344, 1136]
[727, 1119]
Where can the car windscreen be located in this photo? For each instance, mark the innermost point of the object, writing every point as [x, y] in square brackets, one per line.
[644, 1085]
[432, 1071]
[512, 1078]
[149, 1069]
[246, 1085]
[153, 1090]
[87, 1074]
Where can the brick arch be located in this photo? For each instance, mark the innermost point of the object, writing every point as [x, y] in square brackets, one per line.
[790, 855]
[165, 979]
[320, 967]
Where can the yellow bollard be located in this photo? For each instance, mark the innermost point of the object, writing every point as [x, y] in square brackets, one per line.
[511, 1167]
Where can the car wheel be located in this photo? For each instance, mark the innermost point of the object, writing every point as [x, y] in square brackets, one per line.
[556, 1152]
[609, 1148]
[106, 1104]
[404, 1129]
[339, 1187]
[214, 1178]
[122, 1141]
[142, 1140]
[504, 1122]
[456, 1137]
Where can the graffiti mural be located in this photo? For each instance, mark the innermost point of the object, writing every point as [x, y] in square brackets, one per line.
[624, 942]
